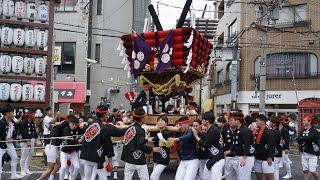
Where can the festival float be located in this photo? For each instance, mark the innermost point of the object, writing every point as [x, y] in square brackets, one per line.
[169, 60]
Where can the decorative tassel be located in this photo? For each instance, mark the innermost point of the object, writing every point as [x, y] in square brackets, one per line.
[119, 46]
[187, 69]
[124, 60]
[190, 41]
[127, 66]
[189, 59]
[121, 53]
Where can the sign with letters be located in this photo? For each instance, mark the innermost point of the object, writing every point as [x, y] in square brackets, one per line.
[225, 53]
[57, 55]
[66, 93]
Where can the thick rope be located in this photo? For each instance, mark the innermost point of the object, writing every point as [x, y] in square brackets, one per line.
[165, 89]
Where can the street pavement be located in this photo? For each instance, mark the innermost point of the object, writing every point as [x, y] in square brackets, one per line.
[169, 173]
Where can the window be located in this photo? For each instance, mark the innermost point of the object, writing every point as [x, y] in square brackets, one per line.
[98, 53]
[233, 29]
[68, 52]
[293, 15]
[313, 65]
[303, 65]
[67, 5]
[99, 7]
[220, 76]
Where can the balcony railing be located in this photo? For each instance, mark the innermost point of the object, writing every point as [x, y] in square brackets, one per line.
[307, 75]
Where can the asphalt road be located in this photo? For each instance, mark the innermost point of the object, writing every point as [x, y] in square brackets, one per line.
[169, 173]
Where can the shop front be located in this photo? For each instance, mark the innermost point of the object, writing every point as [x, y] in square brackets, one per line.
[69, 95]
[277, 102]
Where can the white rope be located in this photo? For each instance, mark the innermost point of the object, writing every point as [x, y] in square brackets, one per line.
[61, 146]
[51, 138]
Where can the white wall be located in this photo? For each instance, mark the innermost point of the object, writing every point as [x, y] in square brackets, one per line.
[110, 65]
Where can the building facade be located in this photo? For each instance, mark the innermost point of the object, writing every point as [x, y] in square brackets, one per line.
[108, 82]
[292, 58]
[69, 55]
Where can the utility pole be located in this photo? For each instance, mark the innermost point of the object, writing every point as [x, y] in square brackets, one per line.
[268, 10]
[89, 53]
[263, 68]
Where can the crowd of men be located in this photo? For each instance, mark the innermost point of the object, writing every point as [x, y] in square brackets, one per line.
[210, 148]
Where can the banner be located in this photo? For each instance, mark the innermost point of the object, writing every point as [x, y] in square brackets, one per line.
[57, 55]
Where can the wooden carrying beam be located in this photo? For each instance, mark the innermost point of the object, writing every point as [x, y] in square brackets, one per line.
[155, 17]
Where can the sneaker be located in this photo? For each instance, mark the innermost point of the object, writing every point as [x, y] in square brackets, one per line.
[16, 176]
[27, 171]
[23, 173]
[288, 176]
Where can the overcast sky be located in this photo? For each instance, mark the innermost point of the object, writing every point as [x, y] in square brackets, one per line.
[168, 15]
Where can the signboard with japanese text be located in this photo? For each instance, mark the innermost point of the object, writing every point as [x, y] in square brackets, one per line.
[57, 55]
[66, 93]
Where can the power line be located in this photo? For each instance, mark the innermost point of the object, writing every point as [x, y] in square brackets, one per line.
[200, 10]
[96, 34]
[102, 29]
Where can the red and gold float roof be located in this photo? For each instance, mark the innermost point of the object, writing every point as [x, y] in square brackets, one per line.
[190, 48]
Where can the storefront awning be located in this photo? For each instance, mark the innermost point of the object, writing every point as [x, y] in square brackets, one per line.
[70, 92]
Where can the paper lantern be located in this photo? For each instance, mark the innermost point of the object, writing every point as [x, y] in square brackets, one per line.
[29, 63]
[40, 66]
[4, 91]
[32, 11]
[5, 63]
[42, 38]
[43, 12]
[18, 37]
[8, 8]
[39, 92]
[20, 10]
[15, 92]
[30, 37]
[17, 64]
[6, 35]
[27, 92]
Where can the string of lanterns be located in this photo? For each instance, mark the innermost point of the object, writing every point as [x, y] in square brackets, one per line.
[23, 36]
[18, 64]
[17, 92]
[19, 36]
[22, 10]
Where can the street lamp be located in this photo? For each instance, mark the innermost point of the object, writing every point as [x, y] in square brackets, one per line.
[294, 84]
